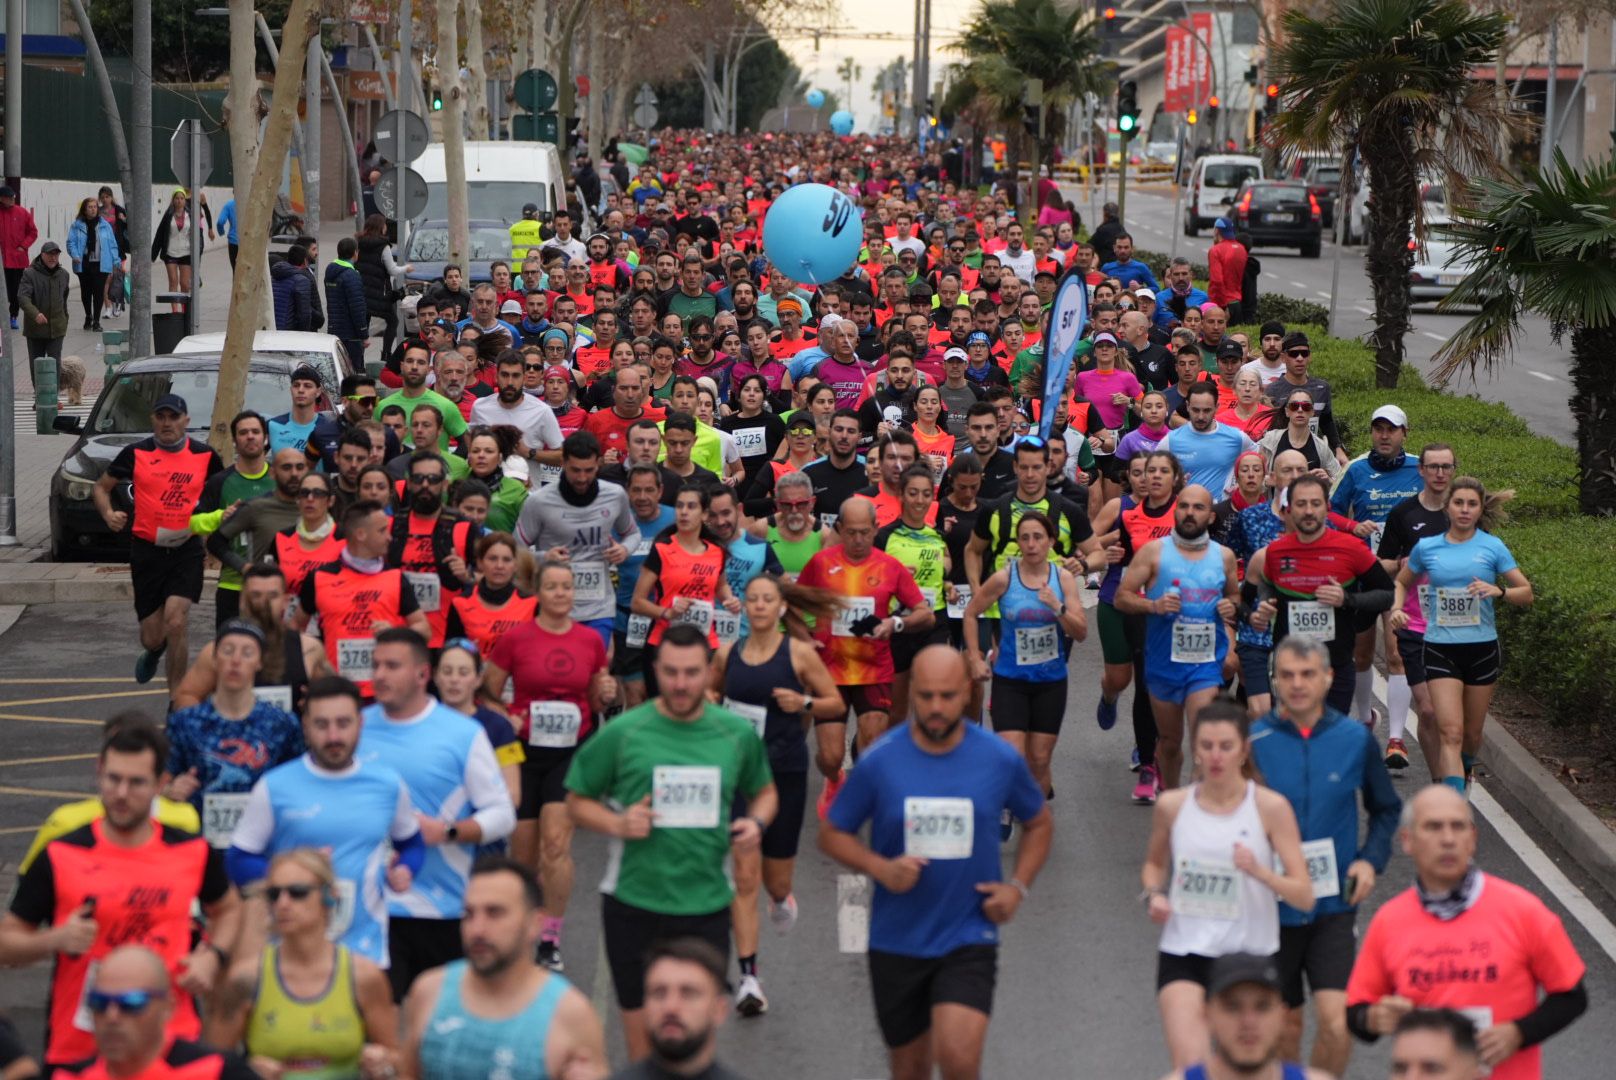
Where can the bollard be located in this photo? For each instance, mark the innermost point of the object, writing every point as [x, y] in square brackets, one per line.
[44, 394]
[373, 368]
[112, 345]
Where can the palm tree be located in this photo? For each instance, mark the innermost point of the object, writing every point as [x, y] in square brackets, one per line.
[1390, 81]
[1008, 42]
[849, 72]
[1546, 245]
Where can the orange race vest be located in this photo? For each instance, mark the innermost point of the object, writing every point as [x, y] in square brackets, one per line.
[485, 625]
[296, 561]
[603, 273]
[349, 605]
[167, 485]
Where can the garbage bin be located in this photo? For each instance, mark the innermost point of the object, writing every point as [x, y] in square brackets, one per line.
[168, 330]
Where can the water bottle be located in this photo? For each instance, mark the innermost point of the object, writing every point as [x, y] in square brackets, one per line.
[1172, 590]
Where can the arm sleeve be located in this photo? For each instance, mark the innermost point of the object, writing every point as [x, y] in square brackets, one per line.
[305, 595]
[35, 899]
[485, 787]
[215, 879]
[123, 466]
[256, 825]
[1375, 591]
[1552, 1015]
[1327, 428]
[411, 852]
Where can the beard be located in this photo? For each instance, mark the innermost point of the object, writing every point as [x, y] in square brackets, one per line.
[681, 1048]
[510, 395]
[1190, 530]
[424, 501]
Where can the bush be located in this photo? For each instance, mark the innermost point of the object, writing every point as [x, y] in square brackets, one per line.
[1157, 261]
[1272, 307]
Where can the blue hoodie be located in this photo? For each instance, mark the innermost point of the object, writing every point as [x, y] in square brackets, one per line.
[1323, 776]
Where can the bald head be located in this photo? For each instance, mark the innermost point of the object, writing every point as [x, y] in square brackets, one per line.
[1287, 466]
[1436, 800]
[939, 689]
[131, 967]
[129, 1037]
[1439, 834]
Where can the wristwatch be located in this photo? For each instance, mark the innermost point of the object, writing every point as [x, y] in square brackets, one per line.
[897, 624]
[452, 834]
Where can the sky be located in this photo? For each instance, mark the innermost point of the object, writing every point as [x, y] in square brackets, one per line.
[881, 16]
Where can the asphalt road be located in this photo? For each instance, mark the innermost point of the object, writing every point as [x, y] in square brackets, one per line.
[1537, 385]
[1077, 973]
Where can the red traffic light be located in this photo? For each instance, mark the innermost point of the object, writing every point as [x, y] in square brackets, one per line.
[1213, 101]
[1110, 13]
[1273, 89]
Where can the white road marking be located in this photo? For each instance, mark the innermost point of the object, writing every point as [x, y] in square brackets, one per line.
[1321, 292]
[1600, 928]
[1363, 311]
[1300, 284]
[1546, 377]
[1434, 336]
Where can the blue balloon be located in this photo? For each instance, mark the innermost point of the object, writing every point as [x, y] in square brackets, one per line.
[813, 233]
[841, 122]
[816, 98]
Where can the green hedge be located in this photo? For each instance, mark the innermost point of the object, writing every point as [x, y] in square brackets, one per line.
[1561, 650]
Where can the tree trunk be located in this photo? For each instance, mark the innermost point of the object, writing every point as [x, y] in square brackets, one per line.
[623, 88]
[1387, 259]
[477, 67]
[595, 117]
[243, 105]
[454, 135]
[1594, 409]
[567, 100]
[538, 33]
[246, 290]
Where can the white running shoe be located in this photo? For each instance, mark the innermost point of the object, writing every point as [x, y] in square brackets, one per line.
[749, 999]
[784, 914]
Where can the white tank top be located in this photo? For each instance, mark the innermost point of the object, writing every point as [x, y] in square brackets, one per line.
[1218, 909]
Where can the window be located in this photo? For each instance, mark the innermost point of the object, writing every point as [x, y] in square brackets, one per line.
[1229, 175]
[1266, 196]
[39, 16]
[431, 244]
[126, 408]
[490, 200]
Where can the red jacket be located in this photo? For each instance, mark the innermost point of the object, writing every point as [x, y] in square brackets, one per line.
[17, 234]
[1227, 263]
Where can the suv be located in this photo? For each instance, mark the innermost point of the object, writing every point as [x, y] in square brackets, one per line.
[1212, 186]
[1279, 213]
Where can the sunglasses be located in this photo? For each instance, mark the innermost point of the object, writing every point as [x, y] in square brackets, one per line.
[131, 1002]
[297, 892]
[463, 643]
[427, 478]
[532, 367]
[313, 493]
[788, 504]
[1300, 406]
[1298, 352]
[368, 402]
[1034, 441]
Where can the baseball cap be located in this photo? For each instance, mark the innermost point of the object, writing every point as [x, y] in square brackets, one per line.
[1105, 337]
[1232, 350]
[1222, 225]
[445, 325]
[530, 208]
[306, 373]
[556, 371]
[955, 355]
[1144, 294]
[6, 192]
[510, 307]
[1239, 969]
[50, 247]
[1392, 415]
[802, 418]
[978, 337]
[172, 403]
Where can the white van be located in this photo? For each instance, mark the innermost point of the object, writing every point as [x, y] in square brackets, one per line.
[501, 178]
[1213, 182]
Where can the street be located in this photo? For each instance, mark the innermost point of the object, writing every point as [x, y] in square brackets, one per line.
[1076, 978]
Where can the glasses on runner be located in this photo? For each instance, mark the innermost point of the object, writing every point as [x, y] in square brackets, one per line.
[366, 400]
[426, 478]
[463, 643]
[273, 893]
[1440, 466]
[132, 1002]
[1300, 406]
[793, 504]
[314, 493]
[1298, 352]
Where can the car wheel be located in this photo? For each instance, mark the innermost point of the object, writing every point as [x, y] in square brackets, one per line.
[1189, 226]
[1310, 250]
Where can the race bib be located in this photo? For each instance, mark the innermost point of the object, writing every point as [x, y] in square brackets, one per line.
[758, 715]
[930, 598]
[639, 626]
[828, 521]
[1206, 890]
[750, 442]
[686, 796]
[957, 611]
[547, 474]
[1373, 539]
[1194, 641]
[347, 891]
[727, 624]
[1312, 619]
[643, 548]
[1479, 1015]
[170, 538]
[278, 696]
[854, 608]
[356, 658]
[428, 589]
[1037, 644]
[1457, 607]
[1321, 867]
[589, 584]
[220, 812]
[553, 724]
[83, 1018]
[938, 828]
[699, 614]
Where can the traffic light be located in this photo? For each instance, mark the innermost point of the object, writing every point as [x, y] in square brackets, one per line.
[1190, 117]
[1213, 102]
[437, 99]
[1251, 75]
[1212, 115]
[1271, 104]
[1128, 109]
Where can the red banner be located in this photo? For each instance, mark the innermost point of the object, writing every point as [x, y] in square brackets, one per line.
[1176, 69]
[1200, 80]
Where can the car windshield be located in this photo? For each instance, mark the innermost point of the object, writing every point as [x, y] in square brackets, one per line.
[320, 361]
[126, 407]
[1265, 195]
[431, 243]
[1330, 175]
[495, 200]
[1229, 175]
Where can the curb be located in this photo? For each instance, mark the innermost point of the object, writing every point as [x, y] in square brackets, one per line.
[109, 588]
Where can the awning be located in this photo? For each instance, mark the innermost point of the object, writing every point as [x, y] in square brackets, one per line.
[1534, 72]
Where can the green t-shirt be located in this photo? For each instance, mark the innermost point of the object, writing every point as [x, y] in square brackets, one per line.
[454, 425]
[922, 551]
[224, 489]
[679, 868]
[506, 504]
[688, 307]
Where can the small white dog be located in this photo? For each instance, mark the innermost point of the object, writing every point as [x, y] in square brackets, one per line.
[71, 379]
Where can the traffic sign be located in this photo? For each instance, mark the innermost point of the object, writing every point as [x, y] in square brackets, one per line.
[415, 134]
[645, 115]
[646, 96]
[536, 127]
[393, 182]
[179, 155]
[536, 91]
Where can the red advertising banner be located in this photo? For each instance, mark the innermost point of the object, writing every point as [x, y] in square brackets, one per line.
[1200, 81]
[1176, 69]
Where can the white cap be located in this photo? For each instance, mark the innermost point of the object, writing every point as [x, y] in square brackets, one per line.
[1392, 415]
[1144, 294]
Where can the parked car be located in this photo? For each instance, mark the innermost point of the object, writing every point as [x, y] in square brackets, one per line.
[1212, 186]
[324, 351]
[1279, 213]
[122, 415]
[1435, 272]
[428, 252]
[1323, 180]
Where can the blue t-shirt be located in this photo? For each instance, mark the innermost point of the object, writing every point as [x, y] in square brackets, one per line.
[628, 572]
[230, 755]
[943, 912]
[748, 557]
[1452, 616]
[1209, 458]
[1364, 493]
[1131, 272]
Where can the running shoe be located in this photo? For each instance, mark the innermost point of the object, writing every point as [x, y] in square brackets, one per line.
[1396, 754]
[749, 999]
[146, 663]
[550, 955]
[1106, 713]
[784, 914]
[828, 794]
[1133, 763]
[1144, 792]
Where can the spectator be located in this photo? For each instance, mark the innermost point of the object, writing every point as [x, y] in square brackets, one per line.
[172, 241]
[293, 291]
[17, 234]
[43, 296]
[381, 274]
[92, 244]
[345, 297]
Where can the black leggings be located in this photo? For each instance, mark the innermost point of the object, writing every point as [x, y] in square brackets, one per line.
[92, 286]
[389, 318]
[13, 283]
[1144, 719]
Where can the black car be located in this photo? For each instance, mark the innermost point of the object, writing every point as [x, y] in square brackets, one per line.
[1279, 213]
[122, 415]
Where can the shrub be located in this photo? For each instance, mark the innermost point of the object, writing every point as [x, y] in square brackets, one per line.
[1272, 307]
[1157, 261]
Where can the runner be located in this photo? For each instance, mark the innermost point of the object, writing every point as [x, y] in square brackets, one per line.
[933, 792]
[957, 511]
[1209, 872]
[746, 558]
[643, 484]
[248, 534]
[1186, 586]
[87, 893]
[1409, 522]
[313, 541]
[1462, 661]
[219, 748]
[558, 681]
[1466, 940]
[431, 544]
[303, 1006]
[914, 541]
[674, 765]
[896, 452]
[494, 606]
[247, 478]
[1040, 615]
[296, 428]
[687, 999]
[682, 579]
[168, 472]
[1245, 1020]
[779, 684]
[458, 678]
[793, 532]
[1326, 766]
[289, 660]
[1436, 1043]
[497, 1012]
[879, 600]
[799, 450]
[1207, 448]
[448, 764]
[841, 472]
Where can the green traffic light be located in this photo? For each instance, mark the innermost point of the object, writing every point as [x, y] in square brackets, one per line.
[1125, 122]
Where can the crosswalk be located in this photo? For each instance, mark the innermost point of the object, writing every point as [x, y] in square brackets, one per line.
[25, 413]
